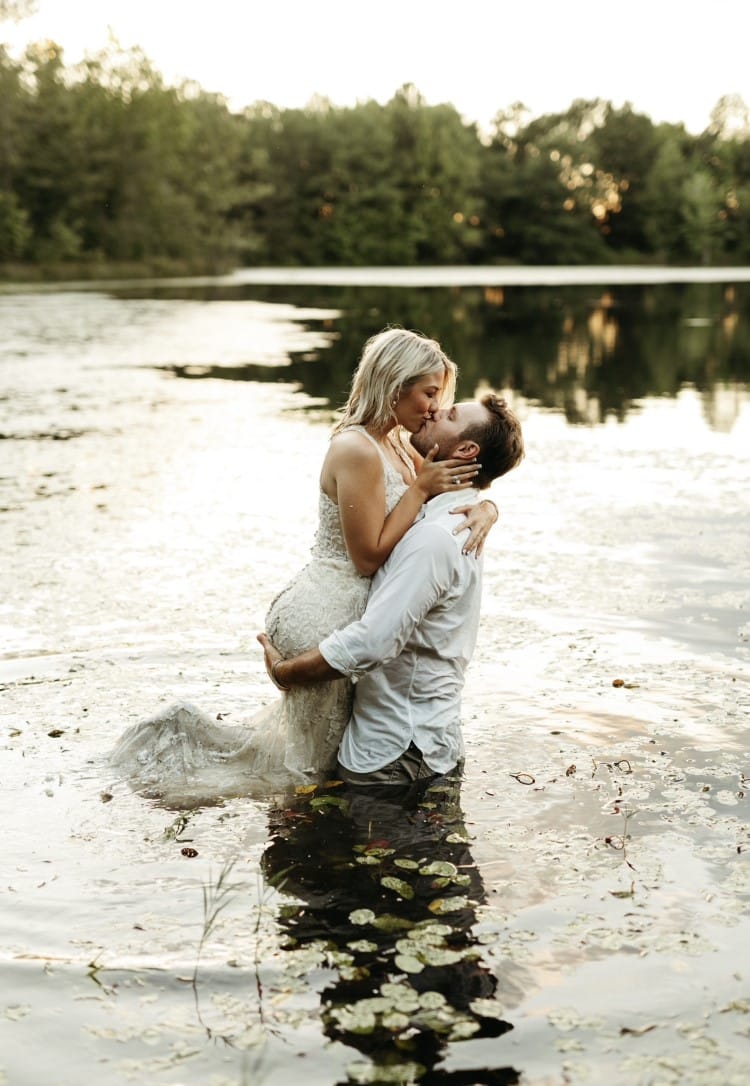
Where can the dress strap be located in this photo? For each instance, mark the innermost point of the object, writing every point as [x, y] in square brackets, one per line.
[371, 439]
[387, 465]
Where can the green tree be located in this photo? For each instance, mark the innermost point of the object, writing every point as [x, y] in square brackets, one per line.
[435, 157]
[623, 147]
[700, 211]
[49, 155]
[15, 232]
[663, 193]
[540, 190]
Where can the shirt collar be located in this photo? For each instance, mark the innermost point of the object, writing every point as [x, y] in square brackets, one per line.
[449, 500]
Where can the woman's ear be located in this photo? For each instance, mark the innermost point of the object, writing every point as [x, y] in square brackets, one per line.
[466, 450]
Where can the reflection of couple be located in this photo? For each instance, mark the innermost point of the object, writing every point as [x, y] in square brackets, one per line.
[405, 647]
[387, 895]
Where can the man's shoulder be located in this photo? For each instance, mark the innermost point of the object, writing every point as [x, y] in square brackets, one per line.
[434, 534]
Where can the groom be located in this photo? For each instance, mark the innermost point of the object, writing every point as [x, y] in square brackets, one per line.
[408, 653]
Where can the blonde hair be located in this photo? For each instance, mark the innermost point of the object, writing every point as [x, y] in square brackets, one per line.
[391, 362]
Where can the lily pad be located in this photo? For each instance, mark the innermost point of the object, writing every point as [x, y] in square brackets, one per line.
[328, 801]
[487, 1008]
[407, 963]
[403, 889]
[439, 867]
[362, 916]
[388, 922]
[447, 905]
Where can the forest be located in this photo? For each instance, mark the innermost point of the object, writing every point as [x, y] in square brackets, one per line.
[103, 165]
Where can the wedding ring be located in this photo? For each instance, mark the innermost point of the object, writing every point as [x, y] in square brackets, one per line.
[456, 481]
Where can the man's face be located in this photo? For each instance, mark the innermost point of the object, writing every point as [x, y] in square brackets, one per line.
[445, 427]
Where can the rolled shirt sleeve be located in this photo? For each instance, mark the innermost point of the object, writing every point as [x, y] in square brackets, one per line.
[417, 574]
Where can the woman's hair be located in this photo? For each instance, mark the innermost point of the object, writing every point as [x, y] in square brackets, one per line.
[391, 362]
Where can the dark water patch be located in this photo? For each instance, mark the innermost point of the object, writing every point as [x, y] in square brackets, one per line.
[216, 371]
[386, 892]
[43, 435]
[588, 353]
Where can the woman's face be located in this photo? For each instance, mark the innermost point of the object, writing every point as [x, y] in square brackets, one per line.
[419, 401]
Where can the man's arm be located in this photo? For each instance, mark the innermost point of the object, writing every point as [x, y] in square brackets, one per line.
[310, 667]
[418, 573]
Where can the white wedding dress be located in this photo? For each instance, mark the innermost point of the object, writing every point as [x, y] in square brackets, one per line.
[184, 756]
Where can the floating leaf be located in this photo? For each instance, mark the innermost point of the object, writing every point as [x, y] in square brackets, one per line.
[741, 1006]
[463, 1029]
[362, 946]
[409, 865]
[364, 1073]
[429, 933]
[390, 882]
[390, 923]
[400, 997]
[362, 916]
[447, 905]
[16, 1012]
[328, 801]
[439, 867]
[407, 963]
[305, 789]
[395, 1021]
[486, 1008]
[354, 1018]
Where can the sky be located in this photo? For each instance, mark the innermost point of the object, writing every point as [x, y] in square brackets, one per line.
[671, 61]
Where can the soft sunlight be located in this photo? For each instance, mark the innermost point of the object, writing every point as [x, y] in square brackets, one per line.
[491, 58]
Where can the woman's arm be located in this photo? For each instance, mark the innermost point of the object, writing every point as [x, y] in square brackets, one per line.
[355, 469]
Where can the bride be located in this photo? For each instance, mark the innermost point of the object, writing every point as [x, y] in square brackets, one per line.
[372, 486]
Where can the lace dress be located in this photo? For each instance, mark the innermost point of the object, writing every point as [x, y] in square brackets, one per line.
[182, 755]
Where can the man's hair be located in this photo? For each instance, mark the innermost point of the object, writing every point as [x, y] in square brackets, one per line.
[499, 438]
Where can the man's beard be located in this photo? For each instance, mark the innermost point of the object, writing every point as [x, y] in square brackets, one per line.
[421, 442]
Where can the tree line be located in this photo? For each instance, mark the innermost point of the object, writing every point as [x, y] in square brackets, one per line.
[103, 163]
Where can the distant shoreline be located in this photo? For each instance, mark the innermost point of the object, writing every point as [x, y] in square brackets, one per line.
[381, 276]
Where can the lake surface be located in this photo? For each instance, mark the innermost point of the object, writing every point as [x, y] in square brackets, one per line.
[579, 912]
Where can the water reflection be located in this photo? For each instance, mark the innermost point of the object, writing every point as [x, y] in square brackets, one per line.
[387, 893]
[587, 352]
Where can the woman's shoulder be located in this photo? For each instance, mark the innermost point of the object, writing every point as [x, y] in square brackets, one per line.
[356, 441]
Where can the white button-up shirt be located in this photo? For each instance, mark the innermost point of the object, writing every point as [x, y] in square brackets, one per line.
[409, 651]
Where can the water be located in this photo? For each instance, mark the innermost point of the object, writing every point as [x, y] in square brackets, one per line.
[158, 466]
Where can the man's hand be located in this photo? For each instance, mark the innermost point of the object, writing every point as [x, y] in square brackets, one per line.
[308, 667]
[271, 657]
